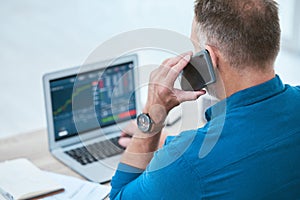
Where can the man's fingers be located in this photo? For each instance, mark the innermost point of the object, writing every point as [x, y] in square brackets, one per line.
[183, 96]
[161, 84]
[183, 62]
[173, 61]
[165, 67]
[166, 61]
[168, 65]
[124, 141]
[126, 134]
[175, 71]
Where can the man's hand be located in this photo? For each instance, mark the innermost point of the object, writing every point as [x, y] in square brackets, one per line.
[162, 96]
[127, 133]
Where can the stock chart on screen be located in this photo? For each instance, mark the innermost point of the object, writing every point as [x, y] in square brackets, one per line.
[92, 100]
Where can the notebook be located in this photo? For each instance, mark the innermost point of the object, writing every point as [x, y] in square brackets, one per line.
[20, 179]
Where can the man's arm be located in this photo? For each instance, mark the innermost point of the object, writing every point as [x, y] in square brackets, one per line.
[162, 97]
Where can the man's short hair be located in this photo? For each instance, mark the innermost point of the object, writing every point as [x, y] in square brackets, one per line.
[247, 32]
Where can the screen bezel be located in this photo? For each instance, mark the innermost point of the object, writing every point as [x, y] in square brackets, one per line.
[80, 70]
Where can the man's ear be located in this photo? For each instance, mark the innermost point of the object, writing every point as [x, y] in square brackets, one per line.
[214, 55]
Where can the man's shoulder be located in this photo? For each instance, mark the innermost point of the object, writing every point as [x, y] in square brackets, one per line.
[292, 95]
[293, 89]
[296, 89]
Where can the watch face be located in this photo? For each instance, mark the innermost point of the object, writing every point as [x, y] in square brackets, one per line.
[144, 122]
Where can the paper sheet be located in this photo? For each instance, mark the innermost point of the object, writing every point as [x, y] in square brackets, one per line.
[77, 189]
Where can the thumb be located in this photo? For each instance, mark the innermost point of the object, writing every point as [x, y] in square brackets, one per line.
[183, 96]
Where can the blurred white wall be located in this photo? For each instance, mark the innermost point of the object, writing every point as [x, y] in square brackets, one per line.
[43, 36]
[287, 65]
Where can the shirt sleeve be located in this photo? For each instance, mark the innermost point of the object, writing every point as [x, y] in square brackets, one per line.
[167, 175]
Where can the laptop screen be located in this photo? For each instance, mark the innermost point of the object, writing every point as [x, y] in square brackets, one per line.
[102, 98]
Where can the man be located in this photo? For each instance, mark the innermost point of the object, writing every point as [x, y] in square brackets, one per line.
[256, 125]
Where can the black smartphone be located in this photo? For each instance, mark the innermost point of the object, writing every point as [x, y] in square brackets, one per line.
[198, 73]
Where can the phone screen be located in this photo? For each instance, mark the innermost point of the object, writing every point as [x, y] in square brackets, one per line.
[198, 73]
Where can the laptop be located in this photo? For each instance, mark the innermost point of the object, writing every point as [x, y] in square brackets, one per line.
[86, 109]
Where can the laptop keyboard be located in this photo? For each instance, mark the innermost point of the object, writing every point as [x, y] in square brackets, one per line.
[97, 151]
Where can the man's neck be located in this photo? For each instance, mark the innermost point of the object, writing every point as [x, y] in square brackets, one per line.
[235, 81]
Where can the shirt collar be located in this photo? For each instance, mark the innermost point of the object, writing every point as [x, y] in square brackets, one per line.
[247, 97]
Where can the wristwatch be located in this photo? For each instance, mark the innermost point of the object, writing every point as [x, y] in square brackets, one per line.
[147, 125]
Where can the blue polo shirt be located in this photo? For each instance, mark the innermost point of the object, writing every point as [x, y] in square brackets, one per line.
[249, 149]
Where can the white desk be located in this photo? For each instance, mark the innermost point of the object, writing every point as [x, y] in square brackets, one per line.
[33, 146]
